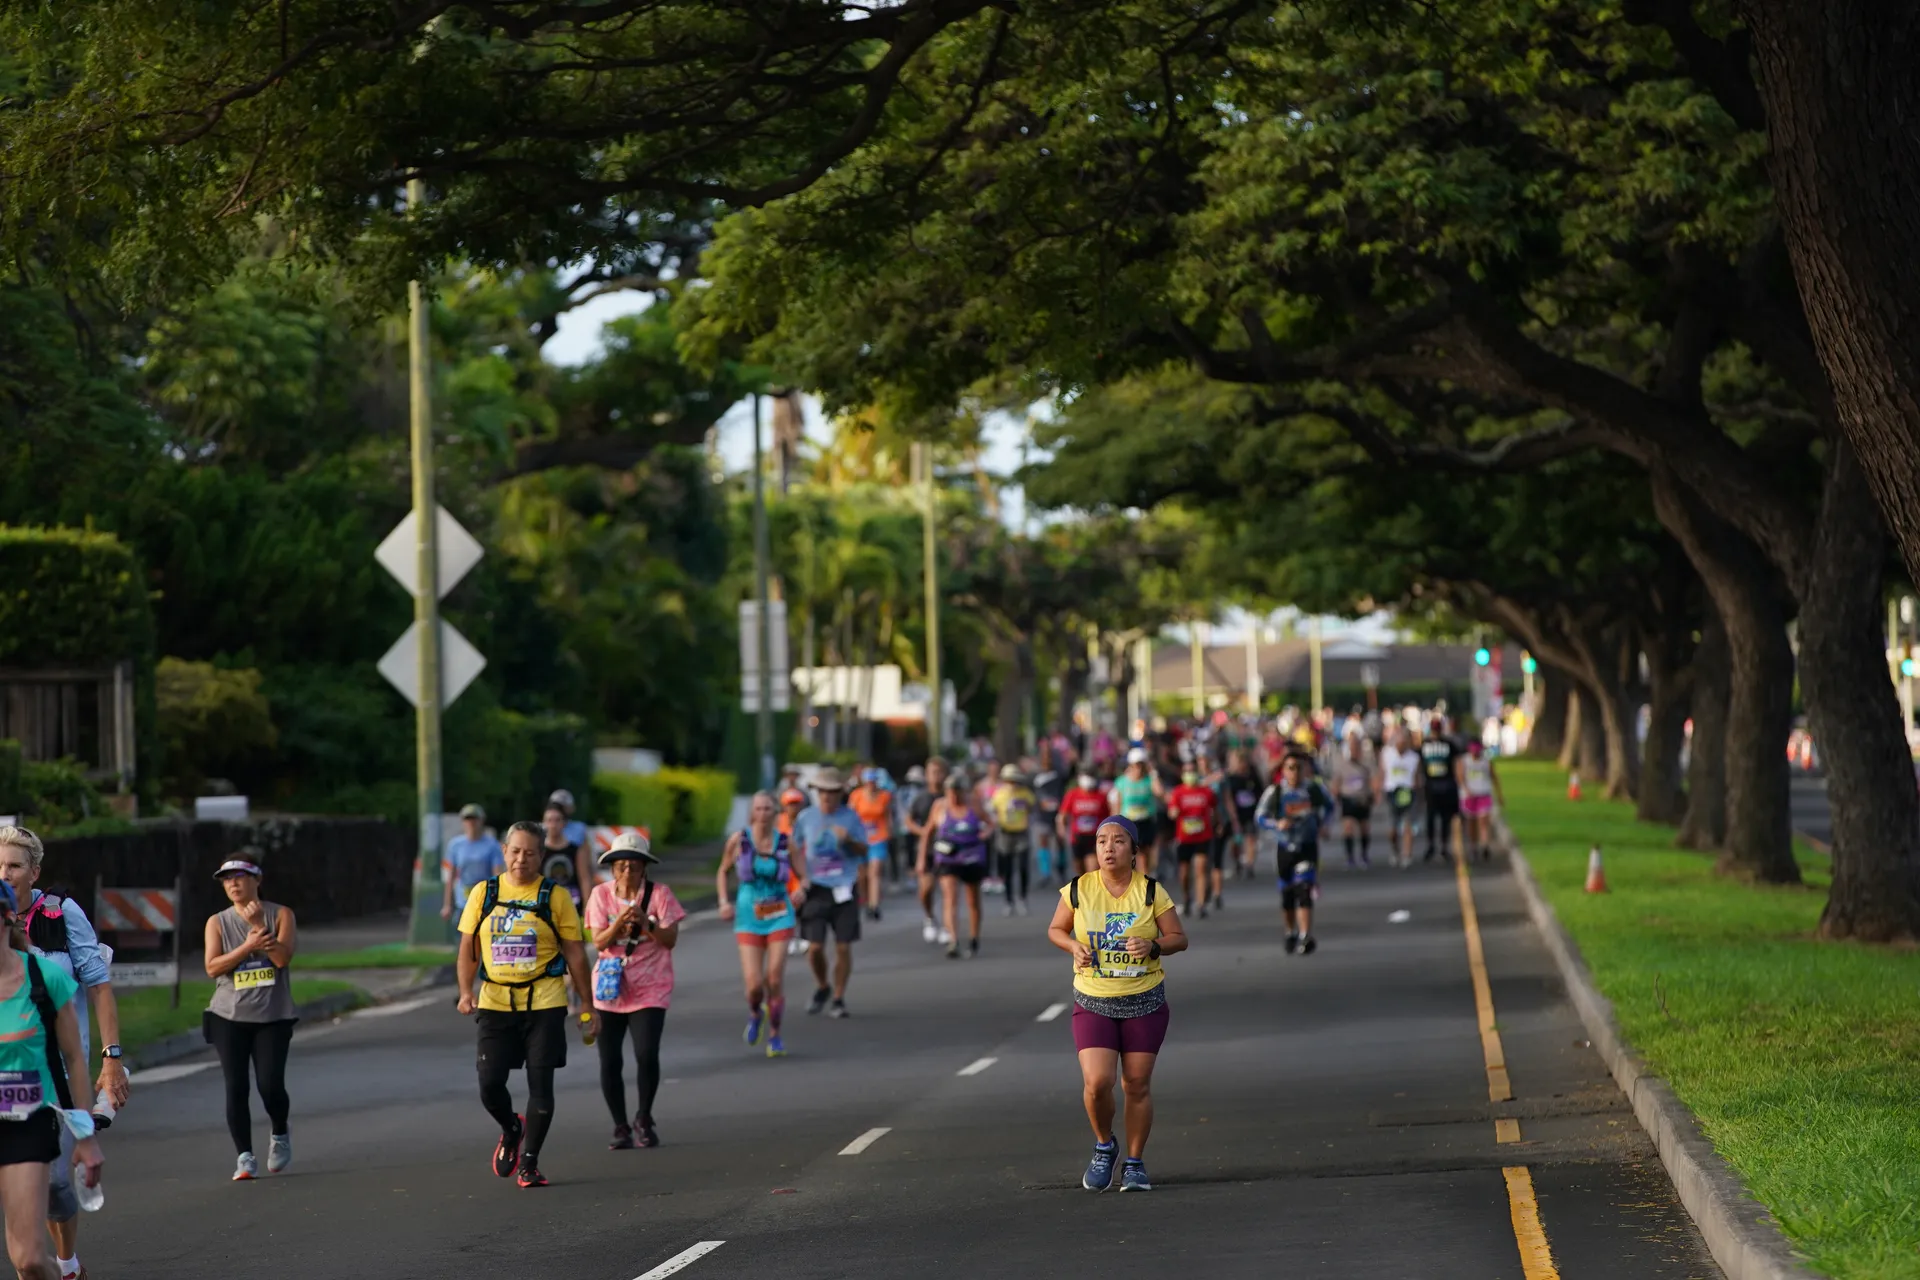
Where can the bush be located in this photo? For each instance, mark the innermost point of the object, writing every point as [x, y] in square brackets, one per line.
[12, 796]
[703, 801]
[210, 720]
[56, 793]
[634, 800]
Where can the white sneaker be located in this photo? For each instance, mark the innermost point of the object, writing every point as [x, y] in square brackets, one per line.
[279, 1152]
[246, 1168]
[944, 938]
[929, 931]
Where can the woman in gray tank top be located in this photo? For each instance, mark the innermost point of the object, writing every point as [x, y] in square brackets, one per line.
[251, 1017]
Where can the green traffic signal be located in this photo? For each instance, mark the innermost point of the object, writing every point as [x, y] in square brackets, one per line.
[1528, 665]
[1909, 667]
[1481, 656]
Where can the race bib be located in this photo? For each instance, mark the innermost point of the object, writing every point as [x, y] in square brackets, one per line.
[769, 909]
[20, 1094]
[1193, 826]
[843, 893]
[513, 951]
[254, 974]
[1085, 824]
[1354, 784]
[1437, 769]
[1110, 954]
[1244, 799]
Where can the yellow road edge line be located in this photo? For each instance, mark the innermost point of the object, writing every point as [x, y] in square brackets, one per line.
[1536, 1256]
[1498, 1087]
[1506, 1129]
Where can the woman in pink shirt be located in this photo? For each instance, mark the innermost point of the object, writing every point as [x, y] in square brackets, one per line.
[635, 923]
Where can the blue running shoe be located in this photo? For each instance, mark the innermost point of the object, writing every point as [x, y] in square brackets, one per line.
[752, 1036]
[774, 1048]
[1133, 1176]
[1099, 1175]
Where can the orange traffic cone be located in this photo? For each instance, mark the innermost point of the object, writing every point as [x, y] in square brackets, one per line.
[1573, 785]
[1596, 873]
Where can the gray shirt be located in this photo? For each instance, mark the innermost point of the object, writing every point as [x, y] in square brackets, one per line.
[256, 991]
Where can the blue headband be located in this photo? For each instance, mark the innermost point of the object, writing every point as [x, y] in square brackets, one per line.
[1125, 824]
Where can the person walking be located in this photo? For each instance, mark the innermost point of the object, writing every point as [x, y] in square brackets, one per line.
[761, 908]
[1012, 810]
[635, 923]
[920, 819]
[1479, 785]
[57, 926]
[249, 948]
[1117, 923]
[48, 1092]
[829, 851]
[565, 861]
[470, 857]
[520, 944]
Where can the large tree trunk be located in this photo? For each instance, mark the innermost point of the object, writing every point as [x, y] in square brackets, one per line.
[1670, 677]
[1012, 699]
[1576, 731]
[1590, 756]
[1610, 708]
[1550, 714]
[1705, 824]
[1842, 100]
[1759, 837]
[1855, 719]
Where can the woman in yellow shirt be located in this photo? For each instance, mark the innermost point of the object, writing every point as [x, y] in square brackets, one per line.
[1117, 923]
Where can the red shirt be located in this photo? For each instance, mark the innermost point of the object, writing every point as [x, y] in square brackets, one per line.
[1192, 809]
[1084, 810]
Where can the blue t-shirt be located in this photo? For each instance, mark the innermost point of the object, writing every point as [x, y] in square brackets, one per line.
[471, 859]
[835, 845]
[24, 1085]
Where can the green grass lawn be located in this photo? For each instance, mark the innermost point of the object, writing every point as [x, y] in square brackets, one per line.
[1798, 1056]
[146, 1014]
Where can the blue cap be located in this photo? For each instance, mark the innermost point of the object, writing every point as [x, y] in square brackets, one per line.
[1125, 824]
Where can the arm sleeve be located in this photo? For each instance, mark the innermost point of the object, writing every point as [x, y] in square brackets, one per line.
[83, 945]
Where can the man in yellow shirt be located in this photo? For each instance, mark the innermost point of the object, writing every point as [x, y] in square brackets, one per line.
[1013, 806]
[521, 940]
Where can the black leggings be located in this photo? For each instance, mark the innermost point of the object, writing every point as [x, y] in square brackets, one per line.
[646, 1026]
[266, 1045]
[1014, 860]
[1440, 820]
[498, 1101]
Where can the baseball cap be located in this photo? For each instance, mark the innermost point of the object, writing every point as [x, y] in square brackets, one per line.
[1138, 755]
[473, 811]
[793, 795]
[562, 797]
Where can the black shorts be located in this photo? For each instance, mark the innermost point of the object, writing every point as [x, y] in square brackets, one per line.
[965, 872]
[1189, 850]
[1149, 829]
[1358, 810]
[536, 1038]
[820, 913]
[1084, 847]
[35, 1140]
[1246, 820]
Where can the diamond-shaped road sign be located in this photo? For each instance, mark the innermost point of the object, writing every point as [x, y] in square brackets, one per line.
[460, 663]
[458, 552]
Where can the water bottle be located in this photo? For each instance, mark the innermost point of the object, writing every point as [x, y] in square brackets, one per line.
[103, 1113]
[586, 1030]
[90, 1197]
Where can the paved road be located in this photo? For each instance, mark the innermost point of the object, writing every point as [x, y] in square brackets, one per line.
[1325, 1115]
[1808, 805]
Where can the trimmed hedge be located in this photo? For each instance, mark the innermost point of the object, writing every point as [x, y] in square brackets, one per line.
[676, 806]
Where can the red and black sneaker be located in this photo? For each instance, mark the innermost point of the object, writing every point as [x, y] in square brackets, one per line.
[530, 1175]
[506, 1154]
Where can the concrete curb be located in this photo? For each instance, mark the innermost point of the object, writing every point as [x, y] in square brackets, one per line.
[185, 1044]
[1739, 1232]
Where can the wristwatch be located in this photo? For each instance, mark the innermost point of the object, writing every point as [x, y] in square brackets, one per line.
[110, 1051]
[1153, 951]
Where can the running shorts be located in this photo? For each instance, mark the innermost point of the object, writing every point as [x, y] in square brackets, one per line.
[1144, 1034]
[1358, 810]
[1190, 850]
[1149, 829]
[778, 938]
[1084, 847]
[965, 872]
[536, 1038]
[1476, 806]
[877, 851]
[35, 1140]
[820, 912]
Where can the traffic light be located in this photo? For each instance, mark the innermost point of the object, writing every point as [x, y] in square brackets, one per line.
[1527, 664]
[1481, 656]
[1909, 667]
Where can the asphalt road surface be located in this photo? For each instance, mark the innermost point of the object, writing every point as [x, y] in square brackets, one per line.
[1808, 805]
[1324, 1116]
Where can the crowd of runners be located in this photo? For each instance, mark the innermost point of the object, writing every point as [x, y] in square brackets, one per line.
[1135, 837]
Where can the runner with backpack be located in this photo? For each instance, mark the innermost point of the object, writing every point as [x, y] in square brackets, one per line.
[520, 943]
[760, 860]
[1296, 807]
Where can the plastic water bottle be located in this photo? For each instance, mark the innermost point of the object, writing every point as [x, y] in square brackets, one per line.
[586, 1030]
[90, 1197]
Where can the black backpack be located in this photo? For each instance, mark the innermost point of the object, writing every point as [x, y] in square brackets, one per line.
[1073, 892]
[542, 910]
[49, 1022]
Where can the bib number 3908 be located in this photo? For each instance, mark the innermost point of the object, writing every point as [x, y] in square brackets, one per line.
[20, 1094]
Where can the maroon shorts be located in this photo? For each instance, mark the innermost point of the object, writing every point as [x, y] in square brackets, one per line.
[1122, 1035]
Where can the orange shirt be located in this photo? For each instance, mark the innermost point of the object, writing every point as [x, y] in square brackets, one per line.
[874, 807]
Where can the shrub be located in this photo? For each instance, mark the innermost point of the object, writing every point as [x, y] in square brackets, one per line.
[635, 800]
[56, 793]
[703, 800]
[209, 721]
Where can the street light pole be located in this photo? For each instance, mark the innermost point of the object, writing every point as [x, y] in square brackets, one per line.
[426, 924]
[931, 572]
[1196, 640]
[1317, 693]
[764, 639]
